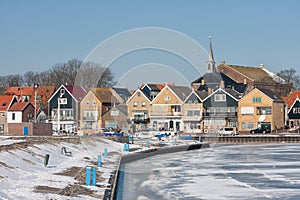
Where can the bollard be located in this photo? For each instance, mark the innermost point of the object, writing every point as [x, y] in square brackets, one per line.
[147, 144]
[128, 147]
[175, 141]
[94, 177]
[105, 153]
[99, 161]
[88, 176]
[46, 160]
[125, 147]
[200, 139]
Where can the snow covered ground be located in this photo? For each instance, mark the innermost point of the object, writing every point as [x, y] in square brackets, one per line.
[23, 174]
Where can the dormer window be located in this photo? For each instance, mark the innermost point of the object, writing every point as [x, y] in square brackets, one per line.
[4, 104]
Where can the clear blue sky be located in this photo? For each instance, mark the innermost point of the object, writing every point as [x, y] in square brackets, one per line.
[36, 34]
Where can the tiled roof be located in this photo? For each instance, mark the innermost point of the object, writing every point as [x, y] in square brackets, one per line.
[77, 91]
[45, 92]
[271, 94]
[104, 95]
[181, 91]
[122, 92]
[5, 101]
[254, 73]
[19, 106]
[289, 100]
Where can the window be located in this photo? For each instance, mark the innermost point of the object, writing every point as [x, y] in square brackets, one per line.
[114, 113]
[94, 103]
[176, 108]
[2, 114]
[193, 112]
[247, 125]
[139, 94]
[247, 110]
[264, 110]
[13, 116]
[135, 104]
[220, 97]
[294, 110]
[299, 110]
[1, 127]
[87, 103]
[143, 104]
[167, 98]
[256, 99]
[4, 104]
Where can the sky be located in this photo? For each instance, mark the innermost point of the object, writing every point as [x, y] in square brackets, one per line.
[35, 35]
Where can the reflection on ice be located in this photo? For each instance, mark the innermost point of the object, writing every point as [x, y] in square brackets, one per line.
[257, 171]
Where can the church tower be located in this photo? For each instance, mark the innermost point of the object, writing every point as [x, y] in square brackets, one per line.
[211, 68]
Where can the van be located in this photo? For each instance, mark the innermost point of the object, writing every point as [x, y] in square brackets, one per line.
[227, 131]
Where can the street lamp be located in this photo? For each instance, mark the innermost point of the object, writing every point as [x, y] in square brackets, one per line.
[35, 90]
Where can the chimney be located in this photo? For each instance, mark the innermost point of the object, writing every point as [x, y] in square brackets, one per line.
[222, 85]
[209, 91]
[223, 62]
[245, 81]
[261, 66]
[202, 82]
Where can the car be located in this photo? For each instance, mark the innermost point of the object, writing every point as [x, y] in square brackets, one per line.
[227, 131]
[260, 130]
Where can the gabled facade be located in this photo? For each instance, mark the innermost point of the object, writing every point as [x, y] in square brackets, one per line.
[20, 112]
[138, 106]
[220, 110]
[166, 109]
[260, 108]
[116, 118]
[192, 114]
[6, 101]
[66, 100]
[294, 114]
[122, 94]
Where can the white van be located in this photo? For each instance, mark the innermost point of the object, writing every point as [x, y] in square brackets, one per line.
[227, 131]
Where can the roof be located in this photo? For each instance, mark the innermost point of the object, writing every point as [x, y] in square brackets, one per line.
[19, 106]
[272, 95]
[123, 93]
[121, 108]
[44, 92]
[289, 100]
[76, 91]
[253, 73]
[182, 92]
[230, 83]
[5, 102]
[104, 95]
[211, 80]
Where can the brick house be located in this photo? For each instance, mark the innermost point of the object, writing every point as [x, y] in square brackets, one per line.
[6, 101]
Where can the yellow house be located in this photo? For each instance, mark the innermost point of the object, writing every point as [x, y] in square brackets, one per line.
[260, 108]
[166, 110]
[92, 106]
[138, 106]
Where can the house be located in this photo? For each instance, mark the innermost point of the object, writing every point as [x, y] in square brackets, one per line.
[64, 108]
[138, 110]
[152, 90]
[122, 94]
[260, 108]
[116, 118]
[95, 103]
[220, 109]
[292, 117]
[6, 101]
[192, 114]
[166, 109]
[246, 78]
[39, 95]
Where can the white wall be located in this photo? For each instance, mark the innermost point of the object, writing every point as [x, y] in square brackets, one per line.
[18, 117]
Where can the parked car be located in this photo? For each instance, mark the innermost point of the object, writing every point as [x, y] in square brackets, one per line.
[260, 130]
[227, 131]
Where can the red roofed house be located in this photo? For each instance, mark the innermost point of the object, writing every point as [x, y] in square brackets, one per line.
[27, 94]
[6, 101]
[292, 109]
[64, 107]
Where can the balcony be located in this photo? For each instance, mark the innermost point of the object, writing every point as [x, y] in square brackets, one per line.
[220, 114]
[191, 118]
[140, 121]
[153, 114]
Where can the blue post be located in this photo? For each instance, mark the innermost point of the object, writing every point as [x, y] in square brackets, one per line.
[200, 139]
[105, 153]
[99, 160]
[129, 136]
[88, 176]
[147, 144]
[175, 141]
[94, 177]
[125, 147]
[128, 147]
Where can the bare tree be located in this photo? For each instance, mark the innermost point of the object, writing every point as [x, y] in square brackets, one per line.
[291, 77]
[30, 77]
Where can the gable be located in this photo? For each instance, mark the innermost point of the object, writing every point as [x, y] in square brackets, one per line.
[193, 98]
[138, 95]
[166, 96]
[256, 96]
[220, 98]
[294, 111]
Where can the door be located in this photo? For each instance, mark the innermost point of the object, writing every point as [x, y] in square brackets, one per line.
[25, 130]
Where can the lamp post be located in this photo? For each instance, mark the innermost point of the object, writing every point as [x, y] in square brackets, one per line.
[35, 89]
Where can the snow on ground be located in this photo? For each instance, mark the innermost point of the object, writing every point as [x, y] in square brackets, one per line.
[23, 170]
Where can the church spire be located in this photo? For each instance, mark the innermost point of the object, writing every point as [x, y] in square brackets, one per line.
[211, 61]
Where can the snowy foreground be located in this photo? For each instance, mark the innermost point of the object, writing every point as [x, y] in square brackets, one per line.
[24, 176]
